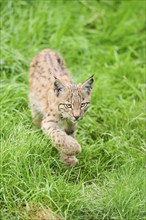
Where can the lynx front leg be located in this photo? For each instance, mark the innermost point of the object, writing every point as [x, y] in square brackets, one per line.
[65, 144]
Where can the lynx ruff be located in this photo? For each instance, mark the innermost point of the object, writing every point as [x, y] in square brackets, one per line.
[57, 103]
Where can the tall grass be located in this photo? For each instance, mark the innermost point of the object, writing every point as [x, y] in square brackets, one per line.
[100, 37]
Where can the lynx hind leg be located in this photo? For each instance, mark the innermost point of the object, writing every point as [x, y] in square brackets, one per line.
[35, 110]
[37, 117]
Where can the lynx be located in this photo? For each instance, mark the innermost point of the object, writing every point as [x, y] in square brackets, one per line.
[57, 104]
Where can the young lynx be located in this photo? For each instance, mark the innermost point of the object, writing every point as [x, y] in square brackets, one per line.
[56, 103]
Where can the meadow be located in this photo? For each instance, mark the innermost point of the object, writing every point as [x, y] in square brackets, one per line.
[101, 37]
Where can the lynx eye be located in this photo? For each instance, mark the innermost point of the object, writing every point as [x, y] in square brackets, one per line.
[68, 105]
[83, 105]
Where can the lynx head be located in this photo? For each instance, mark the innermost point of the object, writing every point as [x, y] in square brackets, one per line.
[73, 100]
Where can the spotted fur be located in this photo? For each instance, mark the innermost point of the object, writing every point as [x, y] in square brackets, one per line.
[56, 103]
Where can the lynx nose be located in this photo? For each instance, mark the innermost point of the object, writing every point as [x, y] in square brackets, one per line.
[76, 117]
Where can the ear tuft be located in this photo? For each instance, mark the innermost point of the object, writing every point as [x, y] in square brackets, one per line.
[58, 87]
[88, 85]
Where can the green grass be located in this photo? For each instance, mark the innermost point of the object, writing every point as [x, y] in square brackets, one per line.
[100, 37]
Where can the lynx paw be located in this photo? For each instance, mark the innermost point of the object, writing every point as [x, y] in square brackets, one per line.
[69, 160]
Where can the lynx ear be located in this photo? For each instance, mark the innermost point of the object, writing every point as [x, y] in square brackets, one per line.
[88, 85]
[58, 87]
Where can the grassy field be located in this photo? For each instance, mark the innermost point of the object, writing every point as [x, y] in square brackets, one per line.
[100, 37]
